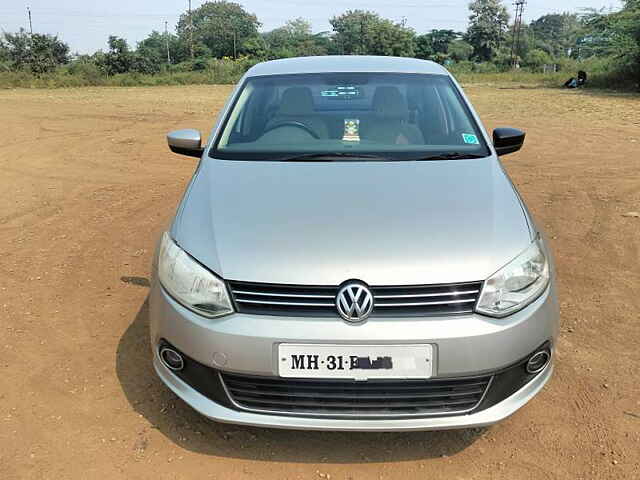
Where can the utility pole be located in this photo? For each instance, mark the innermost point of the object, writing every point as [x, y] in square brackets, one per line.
[30, 24]
[362, 51]
[166, 37]
[517, 25]
[190, 31]
[235, 41]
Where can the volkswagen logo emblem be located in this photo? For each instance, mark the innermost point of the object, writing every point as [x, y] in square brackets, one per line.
[354, 302]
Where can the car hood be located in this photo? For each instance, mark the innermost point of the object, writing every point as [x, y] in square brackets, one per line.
[321, 223]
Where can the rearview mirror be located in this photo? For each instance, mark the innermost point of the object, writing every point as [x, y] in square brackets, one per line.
[186, 142]
[507, 140]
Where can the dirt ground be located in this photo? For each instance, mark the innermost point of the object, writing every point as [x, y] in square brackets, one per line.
[87, 182]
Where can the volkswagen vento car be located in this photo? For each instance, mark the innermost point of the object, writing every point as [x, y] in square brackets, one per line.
[351, 255]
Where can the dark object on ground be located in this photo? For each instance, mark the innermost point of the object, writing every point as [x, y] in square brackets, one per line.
[582, 78]
[574, 82]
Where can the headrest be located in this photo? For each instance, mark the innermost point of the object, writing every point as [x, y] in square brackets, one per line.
[388, 102]
[296, 101]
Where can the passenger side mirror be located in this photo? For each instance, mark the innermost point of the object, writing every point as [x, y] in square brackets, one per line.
[186, 142]
[507, 140]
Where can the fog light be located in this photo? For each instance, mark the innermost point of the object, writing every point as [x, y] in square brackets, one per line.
[171, 359]
[538, 361]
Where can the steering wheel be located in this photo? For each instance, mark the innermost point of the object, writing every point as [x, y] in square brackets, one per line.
[292, 123]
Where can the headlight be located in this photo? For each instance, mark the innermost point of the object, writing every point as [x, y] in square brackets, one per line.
[516, 284]
[189, 283]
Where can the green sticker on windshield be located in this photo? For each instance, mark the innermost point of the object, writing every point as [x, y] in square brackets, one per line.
[470, 138]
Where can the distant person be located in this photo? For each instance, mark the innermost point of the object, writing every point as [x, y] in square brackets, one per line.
[582, 78]
[574, 82]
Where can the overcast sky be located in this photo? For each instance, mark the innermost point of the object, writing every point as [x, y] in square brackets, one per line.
[86, 24]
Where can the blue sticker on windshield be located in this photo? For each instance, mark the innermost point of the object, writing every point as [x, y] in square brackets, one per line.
[469, 138]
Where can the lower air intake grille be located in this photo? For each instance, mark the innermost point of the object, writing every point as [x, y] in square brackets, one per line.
[380, 398]
[389, 301]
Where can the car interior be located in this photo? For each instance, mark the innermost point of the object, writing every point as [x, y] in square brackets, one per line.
[373, 112]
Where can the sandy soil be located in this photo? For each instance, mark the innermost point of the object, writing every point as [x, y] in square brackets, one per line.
[86, 185]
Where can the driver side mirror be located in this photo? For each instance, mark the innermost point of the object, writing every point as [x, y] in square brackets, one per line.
[507, 140]
[186, 142]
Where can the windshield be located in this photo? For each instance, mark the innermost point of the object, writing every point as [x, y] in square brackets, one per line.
[344, 117]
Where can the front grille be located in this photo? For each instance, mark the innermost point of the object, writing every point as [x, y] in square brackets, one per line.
[389, 301]
[379, 398]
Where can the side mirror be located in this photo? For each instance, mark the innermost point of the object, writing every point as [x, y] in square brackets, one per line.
[186, 142]
[507, 140]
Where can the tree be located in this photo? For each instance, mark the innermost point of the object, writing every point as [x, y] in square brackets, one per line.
[487, 27]
[17, 49]
[440, 39]
[616, 35]
[435, 44]
[298, 28]
[555, 33]
[119, 58]
[39, 53]
[524, 44]
[223, 27]
[294, 39]
[47, 53]
[359, 32]
[154, 48]
[255, 47]
[460, 51]
[536, 58]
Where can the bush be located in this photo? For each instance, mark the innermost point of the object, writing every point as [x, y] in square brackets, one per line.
[87, 71]
[603, 73]
[537, 58]
[199, 65]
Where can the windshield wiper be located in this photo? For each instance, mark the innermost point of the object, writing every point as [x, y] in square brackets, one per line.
[330, 156]
[449, 156]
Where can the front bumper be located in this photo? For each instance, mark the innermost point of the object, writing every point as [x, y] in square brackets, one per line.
[220, 413]
[247, 344]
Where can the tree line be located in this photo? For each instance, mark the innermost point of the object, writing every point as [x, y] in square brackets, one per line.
[225, 30]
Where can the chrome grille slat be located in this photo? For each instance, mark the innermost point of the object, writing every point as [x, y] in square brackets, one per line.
[467, 292]
[421, 304]
[263, 294]
[293, 304]
[342, 398]
[389, 301]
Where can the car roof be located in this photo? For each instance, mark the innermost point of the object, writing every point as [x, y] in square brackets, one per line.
[346, 63]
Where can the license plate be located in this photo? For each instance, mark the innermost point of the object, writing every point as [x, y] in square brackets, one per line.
[358, 362]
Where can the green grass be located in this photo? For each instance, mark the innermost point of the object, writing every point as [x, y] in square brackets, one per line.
[524, 79]
[64, 79]
[214, 72]
[219, 72]
[597, 80]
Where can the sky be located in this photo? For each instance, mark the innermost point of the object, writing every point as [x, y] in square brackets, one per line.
[85, 25]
